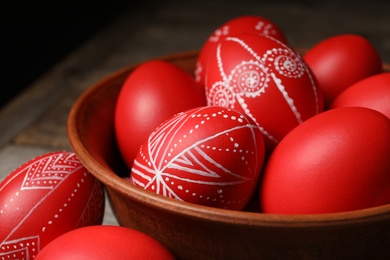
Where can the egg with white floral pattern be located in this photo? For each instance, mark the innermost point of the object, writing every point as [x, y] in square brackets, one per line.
[265, 79]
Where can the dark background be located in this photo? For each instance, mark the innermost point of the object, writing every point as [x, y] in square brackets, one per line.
[36, 36]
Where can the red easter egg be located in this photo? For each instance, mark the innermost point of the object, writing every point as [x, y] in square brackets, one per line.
[335, 161]
[240, 24]
[372, 92]
[266, 80]
[209, 156]
[104, 242]
[45, 198]
[340, 61]
[152, 93]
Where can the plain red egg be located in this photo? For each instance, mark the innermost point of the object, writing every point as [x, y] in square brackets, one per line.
[372, 92]
[240, 24]
[44, 198]
[266, 80]
[104, 242]
[335, 161]
[340, 61]
[210, 156]
[153, 92]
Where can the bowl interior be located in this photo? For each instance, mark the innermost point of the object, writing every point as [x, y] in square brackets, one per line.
[91, 134]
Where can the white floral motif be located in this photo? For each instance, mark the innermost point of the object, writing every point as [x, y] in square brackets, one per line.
[251, 78]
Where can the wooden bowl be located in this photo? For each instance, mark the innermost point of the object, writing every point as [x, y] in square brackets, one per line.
[198, 232]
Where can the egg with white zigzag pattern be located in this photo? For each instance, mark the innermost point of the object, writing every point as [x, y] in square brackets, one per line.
[43, 198]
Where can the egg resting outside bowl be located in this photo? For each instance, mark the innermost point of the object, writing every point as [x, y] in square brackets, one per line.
[192, 231]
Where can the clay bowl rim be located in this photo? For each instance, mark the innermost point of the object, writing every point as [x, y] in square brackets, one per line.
[112, 181]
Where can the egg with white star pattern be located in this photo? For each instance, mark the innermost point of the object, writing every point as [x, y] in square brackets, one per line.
[209, 155]
[44, 198]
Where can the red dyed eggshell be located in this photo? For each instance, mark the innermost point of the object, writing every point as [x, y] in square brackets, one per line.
[266, 80]
[45, 198]
[237, 25]
[340, 61]
[209, 156]
[335, 161]
[104, 242]
[372, 92]
[152, 93]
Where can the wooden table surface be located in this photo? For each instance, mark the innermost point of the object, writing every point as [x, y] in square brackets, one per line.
[35, 121]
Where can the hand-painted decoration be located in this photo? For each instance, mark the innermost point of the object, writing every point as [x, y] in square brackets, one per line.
[237, 25]
[265, 79]
[209, 156]
[44, 198]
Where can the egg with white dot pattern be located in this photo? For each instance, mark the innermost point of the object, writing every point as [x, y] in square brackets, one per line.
[209, 155]
[43, 198]
[265, 79]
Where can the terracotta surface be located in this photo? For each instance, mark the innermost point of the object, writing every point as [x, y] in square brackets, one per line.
[197, 232]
